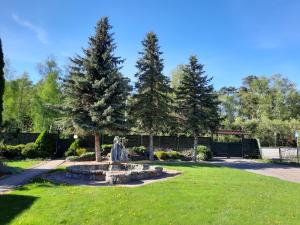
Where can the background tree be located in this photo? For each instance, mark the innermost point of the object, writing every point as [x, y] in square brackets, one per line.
[47, 92]
[151, 104]
[95, 91]
[197, 107]
[2, 81]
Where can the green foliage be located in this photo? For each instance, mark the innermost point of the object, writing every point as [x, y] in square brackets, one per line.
[80, 151]
[151, 103]
[204, 153]
[161, 155]
[47, 93]
[139, 149]
[164, 155]
[95, 91]
[18, 103]
[45, 144]
[30, 151]
[106, 148]
[72, 148]
[89, 156]
[11, 151]
[197, 106]
[2, 81]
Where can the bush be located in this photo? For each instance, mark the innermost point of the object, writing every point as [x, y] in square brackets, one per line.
[161, 155]
[11, 151]
[105, 149]
[30, 151]
[72, 148]
[89, 156]
[139, 150]
[204, 153]
[174, 155]
[80, 151]
[45, 144]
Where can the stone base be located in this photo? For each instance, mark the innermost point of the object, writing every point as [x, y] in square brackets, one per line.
[114, 172]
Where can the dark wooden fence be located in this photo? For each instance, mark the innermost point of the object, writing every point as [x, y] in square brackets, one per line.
[178, 143]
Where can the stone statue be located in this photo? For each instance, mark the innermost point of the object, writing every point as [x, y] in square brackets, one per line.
[115, 153]
[118, 151]
[124, 152]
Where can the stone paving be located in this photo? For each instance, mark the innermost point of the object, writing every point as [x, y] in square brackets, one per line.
[280, 171]
[12, 181]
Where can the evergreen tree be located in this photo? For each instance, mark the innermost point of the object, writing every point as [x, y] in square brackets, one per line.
[196, 103]
[95, 91]
[2, 81]
[151, 103]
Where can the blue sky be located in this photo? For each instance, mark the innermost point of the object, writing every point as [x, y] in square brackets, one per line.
[232, 38]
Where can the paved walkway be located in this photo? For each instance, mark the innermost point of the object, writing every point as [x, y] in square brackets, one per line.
[13, 181]
[280, 171]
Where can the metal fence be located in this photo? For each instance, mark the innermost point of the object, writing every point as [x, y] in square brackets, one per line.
[243, 148]
[281, 154]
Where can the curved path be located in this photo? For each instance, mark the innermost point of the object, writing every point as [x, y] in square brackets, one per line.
[280, 171]
[10, 182]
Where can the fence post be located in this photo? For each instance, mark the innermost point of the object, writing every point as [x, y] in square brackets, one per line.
[280, 157]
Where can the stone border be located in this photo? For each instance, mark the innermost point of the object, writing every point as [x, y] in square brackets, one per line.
[60, 178]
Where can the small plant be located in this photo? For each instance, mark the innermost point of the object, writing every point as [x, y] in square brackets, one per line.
[80, 151]
[204, 153]
[72, 148]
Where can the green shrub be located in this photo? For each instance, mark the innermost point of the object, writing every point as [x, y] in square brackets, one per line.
[30, 151]
[105, 149]
[45, 144]
[204, 153]
[80, 151]
[89, 156]
[72, 148]
[174, 155]
[11, 151]
[139, 150]
[161, 155]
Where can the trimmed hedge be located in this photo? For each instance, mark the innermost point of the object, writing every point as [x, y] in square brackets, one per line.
[45, 144]
[163, 155]
[89, 156]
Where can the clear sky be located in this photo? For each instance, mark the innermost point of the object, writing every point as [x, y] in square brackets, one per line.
[232, 38]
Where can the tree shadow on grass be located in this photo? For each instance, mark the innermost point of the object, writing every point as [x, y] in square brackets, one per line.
[12, 205]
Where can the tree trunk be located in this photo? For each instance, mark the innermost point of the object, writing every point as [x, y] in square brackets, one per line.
[151, 147]
[97, 147]
[195, 147]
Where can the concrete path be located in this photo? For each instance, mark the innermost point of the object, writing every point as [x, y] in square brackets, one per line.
[13, 181]
[283, 172]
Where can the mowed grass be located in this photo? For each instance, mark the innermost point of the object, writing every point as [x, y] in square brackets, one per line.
[17, 166]
[203, 194]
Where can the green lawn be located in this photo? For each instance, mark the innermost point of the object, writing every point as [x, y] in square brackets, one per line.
[17, 166]
[201, 195]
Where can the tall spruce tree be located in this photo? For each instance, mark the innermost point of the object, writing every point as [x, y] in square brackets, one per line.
[197, 104]
[151, 102]
[95, 91]
[2, 81]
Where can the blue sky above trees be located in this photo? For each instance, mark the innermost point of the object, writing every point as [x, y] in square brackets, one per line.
[232, 38]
